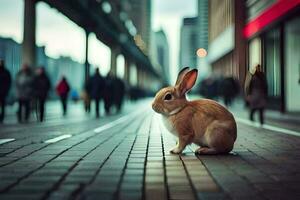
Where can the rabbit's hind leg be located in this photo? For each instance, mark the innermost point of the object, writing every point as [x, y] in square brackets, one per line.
[219, 140]
[206, 151]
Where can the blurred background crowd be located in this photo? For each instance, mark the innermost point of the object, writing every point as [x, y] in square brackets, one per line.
[110, 51]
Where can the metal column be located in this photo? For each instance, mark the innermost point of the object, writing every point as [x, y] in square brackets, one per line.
[28, 46]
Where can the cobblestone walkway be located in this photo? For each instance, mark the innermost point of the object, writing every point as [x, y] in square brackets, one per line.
[127, 157]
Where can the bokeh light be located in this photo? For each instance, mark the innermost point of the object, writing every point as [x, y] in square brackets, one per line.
[201, 52]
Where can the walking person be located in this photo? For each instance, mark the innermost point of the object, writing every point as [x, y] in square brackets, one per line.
[256, 90]
[86, 100]
[24, 92]
[63, 90]
[5, 83]
[41, 87]
[95, 89]
[229, 89]
[119, 93]
[108, 96]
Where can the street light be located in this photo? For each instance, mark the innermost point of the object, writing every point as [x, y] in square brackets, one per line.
[201, 52]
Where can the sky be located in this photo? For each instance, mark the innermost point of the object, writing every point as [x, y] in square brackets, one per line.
[62, 37]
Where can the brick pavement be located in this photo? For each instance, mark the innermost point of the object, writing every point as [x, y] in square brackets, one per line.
[128, 158]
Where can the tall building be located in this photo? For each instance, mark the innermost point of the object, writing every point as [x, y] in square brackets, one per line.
[226, 50]
[160, 54]
[272, 32]
[140, 13]
[66, 66]
[10, 52]
[243, 34]
[202, 24]
[194, 35]
[188, 43]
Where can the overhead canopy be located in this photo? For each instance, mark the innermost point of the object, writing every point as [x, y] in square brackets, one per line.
[107, 26]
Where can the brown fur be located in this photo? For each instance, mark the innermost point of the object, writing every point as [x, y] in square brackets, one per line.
[203, 122]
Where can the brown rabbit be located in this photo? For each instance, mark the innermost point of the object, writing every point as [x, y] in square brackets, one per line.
[203, 122]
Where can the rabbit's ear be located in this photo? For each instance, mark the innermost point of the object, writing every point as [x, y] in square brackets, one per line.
[188, 81]
[181, 75]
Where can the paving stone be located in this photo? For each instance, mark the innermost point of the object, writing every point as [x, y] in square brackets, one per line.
[131, 160]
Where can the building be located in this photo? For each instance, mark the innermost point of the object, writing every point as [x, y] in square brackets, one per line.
[10, 52]
[202, 24]
[227, 50]
[160, 54]
[272, 32]
[243, 34]
[139, 12]
[188, 43]
[66, 66]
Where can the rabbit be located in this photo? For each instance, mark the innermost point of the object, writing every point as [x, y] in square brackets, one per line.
[203, 122]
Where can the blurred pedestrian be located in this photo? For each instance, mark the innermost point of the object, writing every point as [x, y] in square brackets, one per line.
[209, 88]
[229, 89]
[63, 90]
[108, 95]
[95, 89]
[86, 100]
[256, 91]
[24, 91]
[41, 87]
[5, 83]
[119, 93]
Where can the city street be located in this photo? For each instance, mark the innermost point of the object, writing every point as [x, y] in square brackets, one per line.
[126, 156]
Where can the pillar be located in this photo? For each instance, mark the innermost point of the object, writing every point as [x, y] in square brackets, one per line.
[141, 78]
[86, 65]
[127, 70]
[28, 46]
[113, 60]
[239, 65]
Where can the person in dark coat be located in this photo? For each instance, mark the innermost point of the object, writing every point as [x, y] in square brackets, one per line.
[229, 90]
[5, 83]
[63, 89]
[256, 90]
[108, 95]
[119, 93]
[41, 87]
[95, 89]
[24, 91]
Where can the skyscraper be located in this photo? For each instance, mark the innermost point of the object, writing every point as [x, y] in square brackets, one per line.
[202, 23]
[160, 54]
[140, 13]
[188, 43]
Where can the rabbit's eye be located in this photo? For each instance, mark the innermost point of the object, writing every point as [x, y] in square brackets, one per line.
[168, 97]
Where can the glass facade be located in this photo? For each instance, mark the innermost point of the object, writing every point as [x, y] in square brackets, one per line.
[272, 62]
[292, 64]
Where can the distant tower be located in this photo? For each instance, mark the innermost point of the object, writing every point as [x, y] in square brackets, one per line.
[160, 54]
[140, 13]
[188, 43]
[202, 24]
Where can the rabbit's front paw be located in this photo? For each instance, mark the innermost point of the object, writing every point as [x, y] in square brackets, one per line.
[176, 150]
